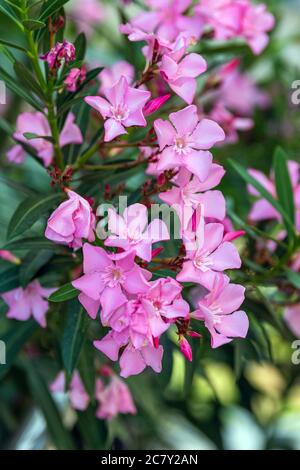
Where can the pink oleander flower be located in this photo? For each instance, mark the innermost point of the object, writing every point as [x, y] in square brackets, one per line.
[292, 319]
[185, 145]
[8, 256]
[249, 96]
[110, 76]
[138, 324]
[238, 19]
[87, 15]
[75, 78]
[71, 222]
[180, 70]
[212, 255]
[189, 192]
[123, 107]
[24, 303]
[107, 280]
[62, 52]
[262, 209]
[79, 398]
[132, 360]
[230, 123]
[167, 19]
[132, 232]
[36, 123]
[113, 399]
[218, 310]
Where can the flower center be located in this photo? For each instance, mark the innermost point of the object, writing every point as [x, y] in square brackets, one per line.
[181, 145]
[113, 276]
[120, 112]
[202, 262]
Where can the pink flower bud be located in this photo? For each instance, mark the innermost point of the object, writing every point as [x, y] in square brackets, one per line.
[186, 349]
[8, 256]
[155, 104]
[194, 334]
[157, 251]
[75, 78]
[60, 52]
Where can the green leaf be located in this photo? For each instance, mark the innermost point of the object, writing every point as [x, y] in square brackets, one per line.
[7, 11]
[284, 188]
[9, 278]
[17, 88]
[293, 277]
[50, 7]
[29, 212]
[39, 389]
[80, 46]
[15, 339]
[74, 334]
[33, 25]
[264, 193]
[66, 292]
[33, 262]
[28, 80]
[13, 45]
[32, 136]
[32, 243]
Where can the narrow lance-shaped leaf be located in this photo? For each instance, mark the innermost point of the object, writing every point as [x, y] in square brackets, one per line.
[74, 334]
[66, 292]
[29, 212]
[33, 262]
[284, 188]
[39, 389]
[9, 278]
[15, 339]
[265, 194]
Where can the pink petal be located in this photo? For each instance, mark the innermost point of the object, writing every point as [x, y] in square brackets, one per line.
[113, 129]
[165, 133]
[207, 134]
[185, 120]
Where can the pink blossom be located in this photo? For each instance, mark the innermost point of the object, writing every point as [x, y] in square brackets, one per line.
[132, 232]
[180, 70]
[166, 18]
[132, 360]
[75, 78]
[249, 96]
[218, 310]
[24, 303]
[37, 123]
[78, 396]
[292, 319]
[262, 209]
[138, 324]
[212, 255]
[71, 222]
[60, 53]
[107, 280]
[110, 76]
[230, 123]
[185, 145]
[113, 399]
[8, 256]
[87, 15]
[123, 107]
[188, 192]
[238, 19]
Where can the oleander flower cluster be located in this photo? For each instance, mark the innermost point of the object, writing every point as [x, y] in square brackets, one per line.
[168, 120]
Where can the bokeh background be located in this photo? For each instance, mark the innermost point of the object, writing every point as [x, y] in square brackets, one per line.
[245, 395]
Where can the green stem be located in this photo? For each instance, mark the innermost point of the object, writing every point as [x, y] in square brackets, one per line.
[52, 119]
[85, 156]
